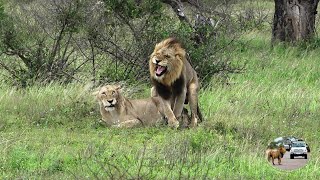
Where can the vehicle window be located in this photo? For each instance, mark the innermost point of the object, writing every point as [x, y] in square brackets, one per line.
[299, 145]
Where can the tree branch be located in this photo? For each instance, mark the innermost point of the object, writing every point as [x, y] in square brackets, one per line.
[178, 9]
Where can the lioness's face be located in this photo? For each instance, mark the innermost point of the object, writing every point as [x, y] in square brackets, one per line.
[163, 61]
[107, 97]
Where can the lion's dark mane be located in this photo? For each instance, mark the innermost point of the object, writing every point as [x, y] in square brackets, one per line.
[167, 92]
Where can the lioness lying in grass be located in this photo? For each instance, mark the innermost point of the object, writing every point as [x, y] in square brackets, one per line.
[118, 111]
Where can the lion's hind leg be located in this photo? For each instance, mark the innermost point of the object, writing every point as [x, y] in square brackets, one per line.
[272, 157]
[193, 102]
[273, 160]
[268, 155]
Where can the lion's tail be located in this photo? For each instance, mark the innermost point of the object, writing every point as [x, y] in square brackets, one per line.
[199, 114]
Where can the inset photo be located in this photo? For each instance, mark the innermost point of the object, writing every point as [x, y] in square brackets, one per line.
[288, 153]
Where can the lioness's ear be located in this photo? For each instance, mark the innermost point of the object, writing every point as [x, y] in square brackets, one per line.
[118, 87]
[95, 93]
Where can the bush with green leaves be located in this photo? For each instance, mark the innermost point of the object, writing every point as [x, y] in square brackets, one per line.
[71, 40]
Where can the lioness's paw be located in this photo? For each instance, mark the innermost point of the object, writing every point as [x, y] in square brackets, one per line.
[116, 126]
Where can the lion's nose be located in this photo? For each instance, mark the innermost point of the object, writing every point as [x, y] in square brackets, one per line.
[110, 101]
[157, 61]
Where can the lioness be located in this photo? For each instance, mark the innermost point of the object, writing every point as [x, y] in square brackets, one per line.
[275, 153]
[119, 111]
[174, 80]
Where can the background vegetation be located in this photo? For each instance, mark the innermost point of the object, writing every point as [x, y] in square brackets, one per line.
[252, 92]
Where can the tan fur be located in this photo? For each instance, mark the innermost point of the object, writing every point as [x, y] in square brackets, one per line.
[275, 154]
[169, 53]
[119, 111]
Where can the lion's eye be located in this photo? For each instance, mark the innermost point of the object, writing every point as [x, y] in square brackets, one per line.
[166, 56]
[113, 92]
[103, 93]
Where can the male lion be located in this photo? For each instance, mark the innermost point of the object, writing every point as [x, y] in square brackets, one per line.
[275, 153]
[116, 110]
[174, 80]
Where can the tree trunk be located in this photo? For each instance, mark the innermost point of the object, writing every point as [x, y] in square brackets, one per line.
[294, 20]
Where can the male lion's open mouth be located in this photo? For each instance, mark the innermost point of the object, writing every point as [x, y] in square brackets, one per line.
[160, 70]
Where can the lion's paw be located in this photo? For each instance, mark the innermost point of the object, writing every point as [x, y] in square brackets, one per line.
[173, 124]
[194, 122]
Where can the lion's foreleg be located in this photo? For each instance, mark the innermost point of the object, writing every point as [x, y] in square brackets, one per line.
[165, 110]
[279, 159]
[179, 103]
[193, 102]
[172, 120]
[154, 92]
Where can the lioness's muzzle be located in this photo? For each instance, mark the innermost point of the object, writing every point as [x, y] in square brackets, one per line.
[111, 105]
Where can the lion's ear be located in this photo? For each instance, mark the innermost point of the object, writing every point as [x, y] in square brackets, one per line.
[179, 57]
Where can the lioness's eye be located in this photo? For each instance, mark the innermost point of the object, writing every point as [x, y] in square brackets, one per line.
[113, 92]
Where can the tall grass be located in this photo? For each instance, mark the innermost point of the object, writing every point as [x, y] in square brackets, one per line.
[41, 106]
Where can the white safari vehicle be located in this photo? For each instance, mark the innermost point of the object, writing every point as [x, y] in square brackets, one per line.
[298, 148]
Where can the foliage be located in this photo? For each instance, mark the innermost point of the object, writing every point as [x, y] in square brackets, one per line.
[41, 44]
[1, 11]
[110, 40]
[2, 24]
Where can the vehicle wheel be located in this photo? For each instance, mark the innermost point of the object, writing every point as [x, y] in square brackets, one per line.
[291, 156]
[306, 156]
